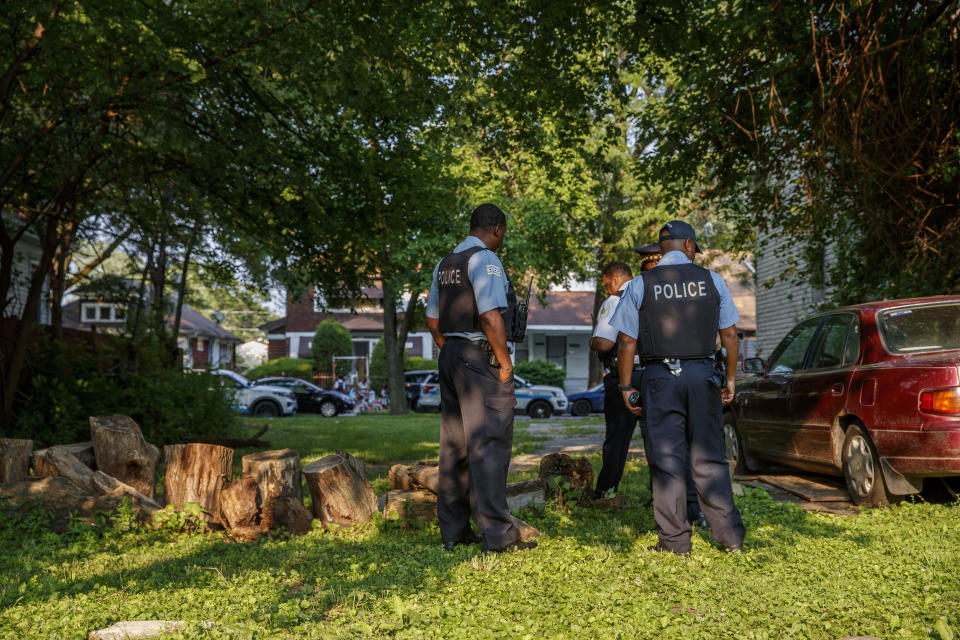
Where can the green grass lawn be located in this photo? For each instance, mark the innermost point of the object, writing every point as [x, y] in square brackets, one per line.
[892, 573]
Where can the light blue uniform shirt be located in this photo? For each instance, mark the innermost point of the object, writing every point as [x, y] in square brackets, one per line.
[487, 278]
[625, 319]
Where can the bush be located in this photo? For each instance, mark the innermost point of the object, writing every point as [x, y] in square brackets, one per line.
[331, 339]
[66, 384]
[378, 365]
[283, 367]
[540, 372]
[413, 363]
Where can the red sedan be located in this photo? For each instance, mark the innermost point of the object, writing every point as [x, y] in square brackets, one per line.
[870, 392]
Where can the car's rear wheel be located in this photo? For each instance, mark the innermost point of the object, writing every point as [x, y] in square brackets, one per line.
[328, 408]
[581, 407]
[861, 469]
[539, 409]
[266, 409]
[733, 445]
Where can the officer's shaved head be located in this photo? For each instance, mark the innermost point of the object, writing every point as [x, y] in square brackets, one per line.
[621, 269]
[486, 217]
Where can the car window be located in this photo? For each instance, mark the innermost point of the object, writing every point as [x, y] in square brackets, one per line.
[299, 387]
[789, 354]
[852, 352]
[831, 343]
[921, 328]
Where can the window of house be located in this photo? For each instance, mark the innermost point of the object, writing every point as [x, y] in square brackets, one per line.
[101, 312]
[89, 312]
[201, 344]
[557, 351]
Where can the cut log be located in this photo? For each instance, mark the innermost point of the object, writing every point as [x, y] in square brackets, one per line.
[285, 510]
[82, 451]
[122, 452]
[274, 470]
[96, 482]
[422, 475]
[240, 504]
[523, 494]
[578, 473]
[14, 459]
[526, 531]
[197, 473]
[340, 489]
[410, 505]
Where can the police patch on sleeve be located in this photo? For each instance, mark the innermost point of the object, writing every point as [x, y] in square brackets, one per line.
[494, 270]
[604, 311]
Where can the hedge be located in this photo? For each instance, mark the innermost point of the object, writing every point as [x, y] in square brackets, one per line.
[282, 367]
[540, 372]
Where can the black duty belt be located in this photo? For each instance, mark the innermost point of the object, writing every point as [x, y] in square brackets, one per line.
[675, 365]
[483, 345]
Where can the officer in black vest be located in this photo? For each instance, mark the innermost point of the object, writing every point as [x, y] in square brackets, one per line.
[471, 313]
[674, 313]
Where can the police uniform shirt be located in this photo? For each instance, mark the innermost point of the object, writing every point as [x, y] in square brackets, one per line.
[487, 279]
[625, 319]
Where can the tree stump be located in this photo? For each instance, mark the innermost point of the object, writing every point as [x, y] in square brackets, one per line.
[82, 451]
[422, 475]
[274, 470]
[285, 510]
[340, 489]
[410, 505]
[197, 473]
[97, 483]
[240, 504]
[14, 459]
[579, 473]
[122, 452]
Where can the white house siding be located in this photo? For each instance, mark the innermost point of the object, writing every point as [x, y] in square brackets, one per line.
[783, 304]
[577, 353]
[27, 254]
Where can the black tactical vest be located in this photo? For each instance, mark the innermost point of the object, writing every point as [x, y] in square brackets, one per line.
[458, 304]
[679, 313]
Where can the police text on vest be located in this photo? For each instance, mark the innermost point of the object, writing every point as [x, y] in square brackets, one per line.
[677, 290]
[448, 277]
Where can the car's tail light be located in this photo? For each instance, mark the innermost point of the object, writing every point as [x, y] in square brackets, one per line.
[941, 401]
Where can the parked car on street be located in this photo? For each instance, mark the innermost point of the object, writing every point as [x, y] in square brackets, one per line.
[310, 397]
[412, 382]
[261, 401]
[586, 402]
[870, 392]
[537, 401]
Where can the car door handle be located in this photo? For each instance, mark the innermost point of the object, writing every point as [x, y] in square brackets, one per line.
[837, 389]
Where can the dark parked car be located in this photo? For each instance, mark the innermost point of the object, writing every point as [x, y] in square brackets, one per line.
[311, 398]
[413, 382]
[583, 403]
[870, 392]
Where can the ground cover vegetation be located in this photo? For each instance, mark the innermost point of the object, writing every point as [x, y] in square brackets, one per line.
[888, 573]
[540, 372]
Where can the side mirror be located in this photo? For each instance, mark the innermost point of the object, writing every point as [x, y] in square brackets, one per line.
[753, 365]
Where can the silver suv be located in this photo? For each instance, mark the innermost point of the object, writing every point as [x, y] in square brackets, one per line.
[263, 401]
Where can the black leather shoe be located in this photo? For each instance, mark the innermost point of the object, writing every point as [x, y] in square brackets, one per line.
[469, 537]
[699, 520]
[519, 545]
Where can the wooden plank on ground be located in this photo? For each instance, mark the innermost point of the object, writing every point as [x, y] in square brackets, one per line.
[806, 488]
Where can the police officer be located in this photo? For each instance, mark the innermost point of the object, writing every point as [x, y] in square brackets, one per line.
[672, 314]
[620, 422]
[470, 310]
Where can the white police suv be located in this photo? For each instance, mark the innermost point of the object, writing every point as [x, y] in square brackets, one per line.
[262, 401]
[536, 400]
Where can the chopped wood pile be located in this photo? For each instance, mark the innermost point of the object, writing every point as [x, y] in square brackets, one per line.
[119, 463]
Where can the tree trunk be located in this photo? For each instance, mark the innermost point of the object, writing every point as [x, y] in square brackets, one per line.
[197, 473]
[393, 346]
[410, 505]
[422, 475]
[122, 452]
[82, 451]
[340, 489]
[95, 482]
[14, 459]
[182, 286]
[274, 470]
[240, 504]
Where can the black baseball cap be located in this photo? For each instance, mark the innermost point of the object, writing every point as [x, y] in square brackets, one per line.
[679, 230]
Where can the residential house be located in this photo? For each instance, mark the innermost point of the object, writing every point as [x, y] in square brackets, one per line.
[27, 254]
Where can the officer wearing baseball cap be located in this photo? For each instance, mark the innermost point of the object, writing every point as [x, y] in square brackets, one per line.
[671, 315]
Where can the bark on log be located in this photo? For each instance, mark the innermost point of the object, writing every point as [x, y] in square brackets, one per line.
[197, 473]
[285, 510]
[82, 451]
[340, 489]
[526, 531]
[240, 504]
[122, 452]
[14, 459]
[274, 470]
[523, 494]
[410, 505]
[422, 475]
[96, 482]
[579, 473]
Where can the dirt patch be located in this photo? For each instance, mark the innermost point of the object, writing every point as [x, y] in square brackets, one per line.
[564, 437]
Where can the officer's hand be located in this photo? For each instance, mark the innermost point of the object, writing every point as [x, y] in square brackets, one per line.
[506, 374]
[637, 411]
[726, 395]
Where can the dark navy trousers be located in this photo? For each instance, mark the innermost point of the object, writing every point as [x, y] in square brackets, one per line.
[476, 438]
[685, 429]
